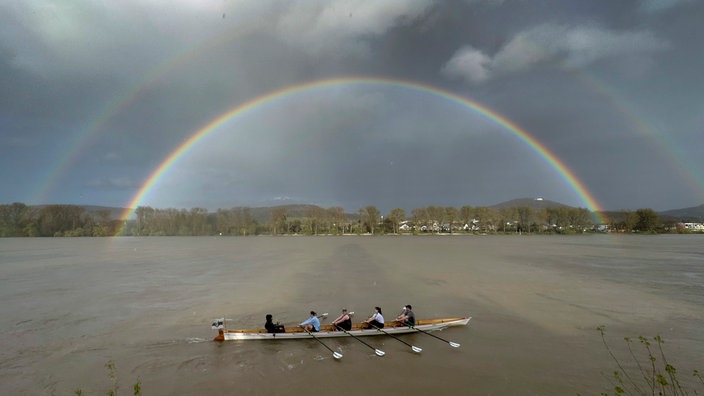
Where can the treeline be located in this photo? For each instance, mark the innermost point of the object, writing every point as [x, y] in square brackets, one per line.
[20, 220]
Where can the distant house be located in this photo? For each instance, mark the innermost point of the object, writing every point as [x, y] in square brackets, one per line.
[435, 227]
[602, 228]
[473, 226]
[697, 227]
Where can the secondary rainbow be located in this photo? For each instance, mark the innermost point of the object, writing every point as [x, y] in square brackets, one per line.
[126, 98]
[587, 198]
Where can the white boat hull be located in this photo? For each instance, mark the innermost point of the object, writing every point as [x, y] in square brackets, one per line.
[292, 334]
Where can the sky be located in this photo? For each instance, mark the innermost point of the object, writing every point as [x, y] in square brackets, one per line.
[394, 103]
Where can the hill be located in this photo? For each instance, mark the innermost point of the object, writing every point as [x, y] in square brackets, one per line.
[262, 214]
[693, 214]
[533, 203]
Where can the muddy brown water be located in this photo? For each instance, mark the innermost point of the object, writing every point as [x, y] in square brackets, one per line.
[69, 306]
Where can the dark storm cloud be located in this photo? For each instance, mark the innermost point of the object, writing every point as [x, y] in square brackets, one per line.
[611, 88]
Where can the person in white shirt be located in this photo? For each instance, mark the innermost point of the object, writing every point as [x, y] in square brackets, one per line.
[376, 320]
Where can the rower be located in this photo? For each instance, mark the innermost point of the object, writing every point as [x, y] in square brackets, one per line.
[272, 327]
[376, 320]
[343, 321]
[407, 317]
[312, 324]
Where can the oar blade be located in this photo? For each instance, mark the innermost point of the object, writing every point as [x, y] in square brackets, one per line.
[416, 349]
[337, 355]
[379, 352]
[452, 344]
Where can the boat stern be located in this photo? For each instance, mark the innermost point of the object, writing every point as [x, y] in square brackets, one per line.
[219, 325]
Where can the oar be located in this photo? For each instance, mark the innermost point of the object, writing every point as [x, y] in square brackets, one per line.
[452, 344]
[336, 355]
[413, 347]
[377, 351]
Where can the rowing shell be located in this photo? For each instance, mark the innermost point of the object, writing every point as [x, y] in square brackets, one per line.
[327, 331]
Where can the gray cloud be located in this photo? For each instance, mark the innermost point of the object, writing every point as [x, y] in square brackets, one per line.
[655, 6]
[116, 183]
[95, 96]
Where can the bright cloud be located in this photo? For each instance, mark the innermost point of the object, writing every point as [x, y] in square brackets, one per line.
[575, 47]
[469, 64]
[317, 26]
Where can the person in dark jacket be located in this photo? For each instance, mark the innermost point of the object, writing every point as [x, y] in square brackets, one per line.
[272, 327]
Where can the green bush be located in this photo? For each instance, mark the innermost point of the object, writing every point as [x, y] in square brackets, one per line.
[655, 376]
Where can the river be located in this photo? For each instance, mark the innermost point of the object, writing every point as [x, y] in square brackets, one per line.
[71, 305]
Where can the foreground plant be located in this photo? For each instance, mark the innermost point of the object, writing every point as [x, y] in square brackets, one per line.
[112, 374]
[653, 377]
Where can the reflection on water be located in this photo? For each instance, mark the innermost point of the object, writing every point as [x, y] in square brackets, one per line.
[71, 305]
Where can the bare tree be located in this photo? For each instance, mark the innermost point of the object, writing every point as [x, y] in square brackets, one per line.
[421, 218]
[316, 217]
[278, 220]
[488, 218]
[396, 216]
[466, 215]
[451, 215]
[437, 217]
[337, 218]
[371, 216]
[525, 217]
